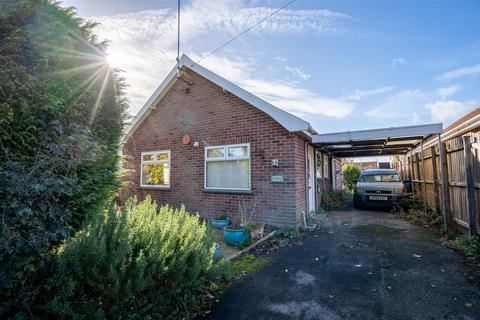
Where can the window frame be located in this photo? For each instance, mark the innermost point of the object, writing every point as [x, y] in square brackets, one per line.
[169, 162]
[227, 158]
[319, 169]
[326, 166]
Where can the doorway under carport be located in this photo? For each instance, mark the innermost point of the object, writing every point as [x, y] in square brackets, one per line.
[383, 142]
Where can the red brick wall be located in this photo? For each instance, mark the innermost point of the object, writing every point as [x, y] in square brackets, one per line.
[214, 117]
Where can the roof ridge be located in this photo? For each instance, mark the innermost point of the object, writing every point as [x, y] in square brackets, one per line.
[289, 121]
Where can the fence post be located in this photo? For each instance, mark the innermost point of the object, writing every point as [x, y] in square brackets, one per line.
[417, 167]
[467, 152]
[435, 179]
[442, 156]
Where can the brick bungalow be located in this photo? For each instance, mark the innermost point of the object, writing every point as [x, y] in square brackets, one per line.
[206, 143]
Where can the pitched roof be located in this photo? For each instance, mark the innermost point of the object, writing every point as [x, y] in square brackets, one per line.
[287, 120]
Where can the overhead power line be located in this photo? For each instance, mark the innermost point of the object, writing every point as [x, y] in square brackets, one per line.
[244, 32]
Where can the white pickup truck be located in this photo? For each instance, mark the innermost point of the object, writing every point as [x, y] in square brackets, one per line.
[378, 187]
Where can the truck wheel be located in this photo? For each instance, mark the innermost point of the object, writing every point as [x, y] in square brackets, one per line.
[356, 204]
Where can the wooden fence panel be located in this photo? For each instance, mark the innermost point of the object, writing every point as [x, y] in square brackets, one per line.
[426, 174]
[456, 174]
[475, 169]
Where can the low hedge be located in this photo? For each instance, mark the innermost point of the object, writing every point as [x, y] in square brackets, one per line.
[130, 263]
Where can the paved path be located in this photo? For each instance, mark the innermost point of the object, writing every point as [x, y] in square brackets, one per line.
[360, 266]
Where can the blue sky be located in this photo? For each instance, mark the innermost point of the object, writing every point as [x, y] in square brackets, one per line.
[341, 65]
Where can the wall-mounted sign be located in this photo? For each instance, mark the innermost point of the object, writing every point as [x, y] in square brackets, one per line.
[277, 179]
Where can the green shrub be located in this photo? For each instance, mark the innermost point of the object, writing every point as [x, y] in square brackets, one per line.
[290, 232]
[332, 200]
[413, 209]
[61, 118]
[350, 173]
[471, 245]
[130, 263]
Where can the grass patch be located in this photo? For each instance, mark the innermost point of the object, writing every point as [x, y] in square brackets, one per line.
[376, 229]
[246, 264]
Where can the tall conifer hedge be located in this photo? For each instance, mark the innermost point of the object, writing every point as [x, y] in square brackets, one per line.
[61, 118]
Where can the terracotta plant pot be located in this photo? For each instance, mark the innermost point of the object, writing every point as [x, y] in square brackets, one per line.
[256, 229]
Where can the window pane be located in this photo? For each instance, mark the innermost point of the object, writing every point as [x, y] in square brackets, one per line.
[319, 165]
[148, 157]
[228, 174]
[216, 153]
[162, 156]
[325, 166]
[390, 178]
[371, 178]
[238, 151]
[156, 174]
[380, 178]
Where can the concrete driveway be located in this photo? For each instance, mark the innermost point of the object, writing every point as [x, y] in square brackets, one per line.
[361, 265]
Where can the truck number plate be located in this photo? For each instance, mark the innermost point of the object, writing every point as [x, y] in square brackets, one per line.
[383, 198]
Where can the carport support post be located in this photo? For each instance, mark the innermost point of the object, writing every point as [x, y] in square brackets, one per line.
[409, 164]
[467, 152]
[442, 157]
[424, 183]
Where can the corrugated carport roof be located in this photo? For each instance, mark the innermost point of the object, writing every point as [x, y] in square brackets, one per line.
[375, 142]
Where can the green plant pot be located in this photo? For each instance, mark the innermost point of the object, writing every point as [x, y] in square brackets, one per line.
[220, 223]
[235, 236]
[217, 254]
[310, 226]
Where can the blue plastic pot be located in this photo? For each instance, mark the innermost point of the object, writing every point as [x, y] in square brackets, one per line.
[235, 237]
[220, 223]
[216, 252]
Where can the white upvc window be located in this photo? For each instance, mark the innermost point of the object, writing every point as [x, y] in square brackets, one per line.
[155, 171]
[227, 167]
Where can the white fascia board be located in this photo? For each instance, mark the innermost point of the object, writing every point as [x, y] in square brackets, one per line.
[157, 95]
[287, 120]
[397, 132]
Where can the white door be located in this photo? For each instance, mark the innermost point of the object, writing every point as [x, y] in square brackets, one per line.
[311, 177]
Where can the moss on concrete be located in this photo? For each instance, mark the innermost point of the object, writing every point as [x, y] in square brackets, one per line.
[376, 229]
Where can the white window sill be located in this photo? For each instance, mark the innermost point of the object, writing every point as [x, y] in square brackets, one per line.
[155, 187]
[229, 191]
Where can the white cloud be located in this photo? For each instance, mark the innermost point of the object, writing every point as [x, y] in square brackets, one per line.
[449, 111]
[143, 44]
[400, 105]
[416, 118]
[460, 72]
[361, 94]
[297, 72]
[398, 61]
[285, 95]
[448, 91]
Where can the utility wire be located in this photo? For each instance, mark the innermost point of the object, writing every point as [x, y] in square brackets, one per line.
[244, 31]
[178, 30]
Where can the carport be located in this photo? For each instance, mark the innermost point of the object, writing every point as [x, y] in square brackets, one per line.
[384, 142]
